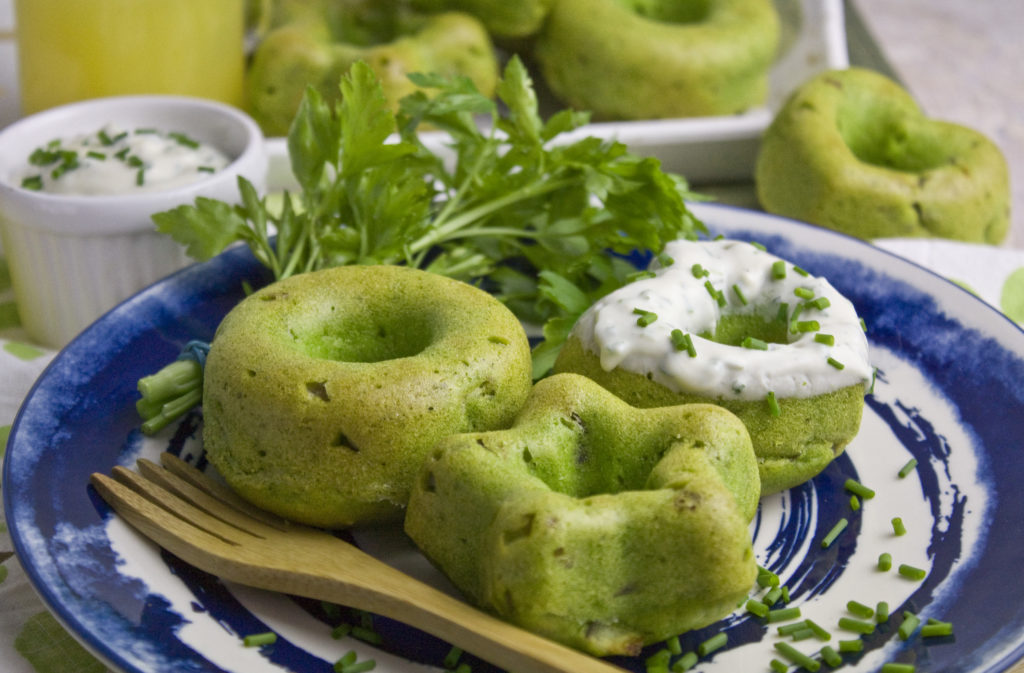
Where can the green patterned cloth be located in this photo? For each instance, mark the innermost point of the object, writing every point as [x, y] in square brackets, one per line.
[32, 641]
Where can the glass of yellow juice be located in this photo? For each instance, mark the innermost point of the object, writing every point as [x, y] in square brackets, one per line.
[71, 50]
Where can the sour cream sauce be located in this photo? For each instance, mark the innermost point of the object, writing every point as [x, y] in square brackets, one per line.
[680, 294]
[116, 162]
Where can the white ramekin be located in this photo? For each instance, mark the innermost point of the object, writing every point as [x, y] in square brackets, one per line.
[72, 258]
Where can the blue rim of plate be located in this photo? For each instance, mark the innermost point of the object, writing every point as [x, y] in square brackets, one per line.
[80, 417]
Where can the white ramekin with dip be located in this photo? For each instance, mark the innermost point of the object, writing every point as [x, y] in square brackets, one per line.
[79, 185]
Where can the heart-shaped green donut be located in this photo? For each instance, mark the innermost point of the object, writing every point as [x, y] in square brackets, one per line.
[851, 150]
[595, 523]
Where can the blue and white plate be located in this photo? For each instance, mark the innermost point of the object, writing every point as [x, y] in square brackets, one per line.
[949, 393]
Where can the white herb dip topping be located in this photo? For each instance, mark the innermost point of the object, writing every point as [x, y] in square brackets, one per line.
[704, 281]
[114, 161]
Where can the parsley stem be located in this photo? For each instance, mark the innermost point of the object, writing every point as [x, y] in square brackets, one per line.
[443, 230]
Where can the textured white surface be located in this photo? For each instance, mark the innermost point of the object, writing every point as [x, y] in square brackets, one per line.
[963, 62]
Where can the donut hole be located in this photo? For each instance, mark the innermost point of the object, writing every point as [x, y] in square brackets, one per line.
[362, 336]
[732, 329]
[685, 11]
[888, 138]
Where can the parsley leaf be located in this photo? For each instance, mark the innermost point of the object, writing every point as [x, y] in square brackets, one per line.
[540, 216]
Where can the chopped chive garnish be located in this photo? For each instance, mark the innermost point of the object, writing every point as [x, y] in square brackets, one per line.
[739, 294]
[140, 177]
[685, 662]
[347, 659]
[803, 633]
[715, 293]
[773, 596]
[641, 275]
[754, 344]
[99, 156]
[909, 625]
[851, 645]
[826, 339]
[259, 639]
[934, 628]
[773, 405]
[885, 561]
[145, 132]
[783, 614]
[766, 578]
[893, 667]
[860, 610]
[797, 657]
[857, 488]
[910, 572]
[863, 325]
[121, 154]
[785, 593]
[808, 326]
[183, 139]
[757, 608]
[801, 271]
[796, 312]
[341, 630]
[134, 161]
[834, 533]
[783, 314]
[835, 363]
[882, 612]
[856, 625]
[33, 182]
[897, 526]
[646, 317]
[804, 292]
[854, 502]
[778, 666]
[698, 271]
[365, 634]
[665, 260]
[41, 157]
[211, 169]
[820, 303]
[819, 631]
[759, 246]
[779, 270]
[715, 642]
[451, 659]
[683, 342]
[831, 657]
[658, 661]
[790, 629]
[359, 667]
[908, 468]
[674, 646]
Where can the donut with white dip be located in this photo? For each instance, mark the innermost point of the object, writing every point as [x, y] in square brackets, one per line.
[727, 322]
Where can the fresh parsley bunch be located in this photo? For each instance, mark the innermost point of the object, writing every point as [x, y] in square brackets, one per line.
[519, 205]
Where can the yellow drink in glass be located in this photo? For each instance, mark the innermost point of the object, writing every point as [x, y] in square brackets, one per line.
[70, 50]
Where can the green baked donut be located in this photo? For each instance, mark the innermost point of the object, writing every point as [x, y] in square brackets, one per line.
[324, 391]
[591, 522]
[503, 19]
[646, 59]
[782, 350]
[318, 48]
[852, 151]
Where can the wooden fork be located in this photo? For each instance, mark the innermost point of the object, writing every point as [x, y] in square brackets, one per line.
[207, 525]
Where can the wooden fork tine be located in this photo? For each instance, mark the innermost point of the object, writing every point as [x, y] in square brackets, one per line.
[172, 504]
[222, 492]
[168, 530]
[200, 498]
